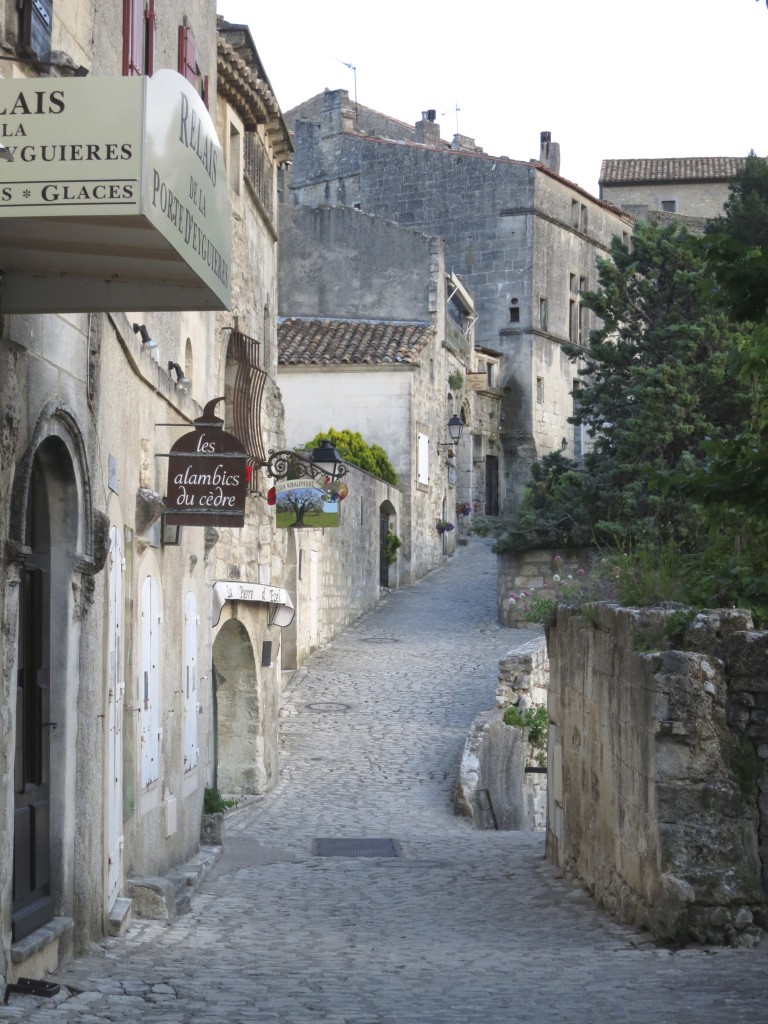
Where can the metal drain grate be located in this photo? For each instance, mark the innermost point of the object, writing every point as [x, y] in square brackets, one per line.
[380, 640]
[355, 848]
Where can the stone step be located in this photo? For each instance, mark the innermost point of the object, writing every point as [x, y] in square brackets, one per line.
[164, 897]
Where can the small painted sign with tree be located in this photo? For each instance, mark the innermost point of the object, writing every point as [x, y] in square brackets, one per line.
[301, 503]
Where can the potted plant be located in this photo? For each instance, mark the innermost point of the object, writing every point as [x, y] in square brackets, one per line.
[443, 526]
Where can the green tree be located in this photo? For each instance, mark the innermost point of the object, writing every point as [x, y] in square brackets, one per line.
[655, 388]
[354, 449]
[737, 244]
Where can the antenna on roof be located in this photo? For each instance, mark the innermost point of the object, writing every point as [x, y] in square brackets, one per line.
[353, 69]
[457, 108]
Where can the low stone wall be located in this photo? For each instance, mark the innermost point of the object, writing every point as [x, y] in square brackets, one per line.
[658, 769]
[532, 570]
[493, 789]
[524, 676]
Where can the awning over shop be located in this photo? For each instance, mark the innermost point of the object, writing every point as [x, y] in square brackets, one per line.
[281, 610]
[113, 196]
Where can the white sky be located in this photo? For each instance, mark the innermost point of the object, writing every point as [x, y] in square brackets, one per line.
[608, 78]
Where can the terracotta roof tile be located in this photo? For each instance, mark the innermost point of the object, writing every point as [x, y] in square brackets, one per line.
[317, 341]
[695, 168]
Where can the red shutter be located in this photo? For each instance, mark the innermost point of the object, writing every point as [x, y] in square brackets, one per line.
[151, 25]
[133, 37]
[187, 54]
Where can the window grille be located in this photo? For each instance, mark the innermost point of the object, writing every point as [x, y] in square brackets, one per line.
[258, 170]
[247, 398]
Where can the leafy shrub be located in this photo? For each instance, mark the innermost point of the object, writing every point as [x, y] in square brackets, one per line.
[391, 546]
[214, 802]
[354, 449]
[534, 719]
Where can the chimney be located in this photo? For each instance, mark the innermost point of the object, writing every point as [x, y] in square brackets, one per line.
[427, 129]
[549, 153]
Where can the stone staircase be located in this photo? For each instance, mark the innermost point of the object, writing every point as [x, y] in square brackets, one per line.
[163, 897]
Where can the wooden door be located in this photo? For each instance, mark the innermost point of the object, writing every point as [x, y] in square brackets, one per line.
[32, 903]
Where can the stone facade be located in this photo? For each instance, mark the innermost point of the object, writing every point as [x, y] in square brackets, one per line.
[522, 239]
[336, 573]
[657, 769]
[102, 612]
[339, 264]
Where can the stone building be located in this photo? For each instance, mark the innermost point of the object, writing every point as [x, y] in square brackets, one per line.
[117, 249]
[686, 186]
[376, 337]
[522, 239]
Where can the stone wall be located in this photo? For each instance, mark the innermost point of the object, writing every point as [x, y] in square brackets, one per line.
[493, 788]
[334, 573]
[532, 571]
[658, 768]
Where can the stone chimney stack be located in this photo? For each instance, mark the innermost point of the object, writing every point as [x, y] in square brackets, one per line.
[549, 154]
[427, 129]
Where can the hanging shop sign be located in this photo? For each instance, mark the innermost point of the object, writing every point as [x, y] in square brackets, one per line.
[281, 610]
[305, 502]
[207, 476]
[113, 196]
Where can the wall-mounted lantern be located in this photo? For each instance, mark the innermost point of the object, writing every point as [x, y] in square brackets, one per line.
[324, 463]
[455, 428]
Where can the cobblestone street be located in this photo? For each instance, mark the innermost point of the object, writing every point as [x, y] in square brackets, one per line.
[464, 926]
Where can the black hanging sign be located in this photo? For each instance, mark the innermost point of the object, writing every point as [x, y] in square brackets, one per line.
[206, 476]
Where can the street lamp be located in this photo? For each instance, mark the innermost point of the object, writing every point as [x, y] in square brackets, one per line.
[324, 463]
[455, 427]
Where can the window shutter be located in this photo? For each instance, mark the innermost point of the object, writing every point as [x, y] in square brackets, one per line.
[133, 37]
[187, 54]
[151, 26]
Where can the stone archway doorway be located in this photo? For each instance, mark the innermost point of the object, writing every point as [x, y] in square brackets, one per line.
[238, 741]
[387, 520]
[50, 536]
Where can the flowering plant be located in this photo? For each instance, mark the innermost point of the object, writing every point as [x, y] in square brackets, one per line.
[571, 589]
[463, 508]
[443, 526]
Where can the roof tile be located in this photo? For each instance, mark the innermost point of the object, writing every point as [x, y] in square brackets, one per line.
[646, 172]
[324, 342]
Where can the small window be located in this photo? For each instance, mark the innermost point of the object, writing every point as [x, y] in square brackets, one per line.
[574, 213]
[583, 218]
[540, 391]
[573, 283]
[490, 374]
[543, 314]
[669, 205]
[514, 314]
[573, 320]
[583, 328]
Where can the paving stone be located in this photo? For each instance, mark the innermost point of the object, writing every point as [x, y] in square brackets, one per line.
[464, 926]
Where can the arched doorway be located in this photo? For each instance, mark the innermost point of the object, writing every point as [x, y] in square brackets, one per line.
[45, 577]
[238, 753]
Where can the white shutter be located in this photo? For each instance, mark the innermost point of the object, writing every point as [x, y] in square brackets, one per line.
[149, 683]
[189, 682]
